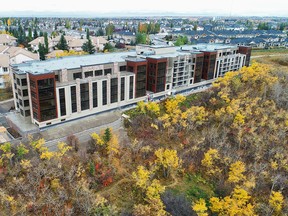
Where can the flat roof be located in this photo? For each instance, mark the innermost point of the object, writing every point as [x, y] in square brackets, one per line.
[208, 47]
[70, 62]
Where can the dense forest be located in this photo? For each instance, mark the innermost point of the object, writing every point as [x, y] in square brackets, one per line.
[219, 152]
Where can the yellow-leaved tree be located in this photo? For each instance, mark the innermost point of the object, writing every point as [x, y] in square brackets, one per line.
[236, 172]
[210, 162]
[167, 160]
[236, 204]
[276, 202]
[141, 176]
[200, 207]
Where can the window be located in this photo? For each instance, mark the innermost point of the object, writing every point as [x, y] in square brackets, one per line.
[18, 81]
[26, 103]
[57, 77]
[25, 92]
[21, 102]
[77, 76]
[5, 69]
[104, 92]
[16, 95]
[24, 82]
[123, 68]
[98, 73]
[95, 98]
[131, 87]
[107, 71]
[62, 102]
[73, 99]
[84, 92]
[21, 111]
[122, 89]
[27, 113]
[88, 74]
[114, 90]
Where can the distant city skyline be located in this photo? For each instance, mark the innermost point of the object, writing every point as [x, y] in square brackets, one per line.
[160, 7]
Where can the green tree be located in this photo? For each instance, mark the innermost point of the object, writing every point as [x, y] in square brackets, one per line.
[35, 34]
[141, 38]
[87, 34]
[62, 45]
[30, 37]
[88, 47]
[107, 135]
[41, 51]
[110, 29]
[108, 47]
[46, 43]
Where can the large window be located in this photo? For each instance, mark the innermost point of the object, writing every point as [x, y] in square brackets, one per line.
[131, 87]
[161, 77]
[47, 99]
[26, 103]
[24, 82]
[84, 92]
[88, 74]
[95, 98]
[98, 73]
[141, 81]
[104, 92]
[77, 76]
[73, 99]
[25, 92]
[123, 68]
[122, 88]
[107, 71]
[62, 102]
[114, 90]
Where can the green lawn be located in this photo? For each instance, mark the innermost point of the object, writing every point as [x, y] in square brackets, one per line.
[5, 95]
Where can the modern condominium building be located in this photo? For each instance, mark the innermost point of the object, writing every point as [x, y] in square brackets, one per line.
[52, 91]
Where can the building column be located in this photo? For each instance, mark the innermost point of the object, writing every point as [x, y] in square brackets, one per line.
[68, 100]
[78, 95]
[29, 95]
[64, 75]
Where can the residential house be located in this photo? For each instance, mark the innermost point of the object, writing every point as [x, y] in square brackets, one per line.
[4, 69]
[8, 40]
[13, 55]
[99, 42]
[35, 43]
[76, 44]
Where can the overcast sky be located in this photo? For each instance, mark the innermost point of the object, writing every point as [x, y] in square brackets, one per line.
[196, 7]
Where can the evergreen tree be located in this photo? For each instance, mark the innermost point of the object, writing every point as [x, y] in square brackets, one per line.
[35, 34]
[29, 35]
[46, 43]
[107, 135]
[87, 34]
[88, 47]
[108, 47]
[41, 51]
[62, 45]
